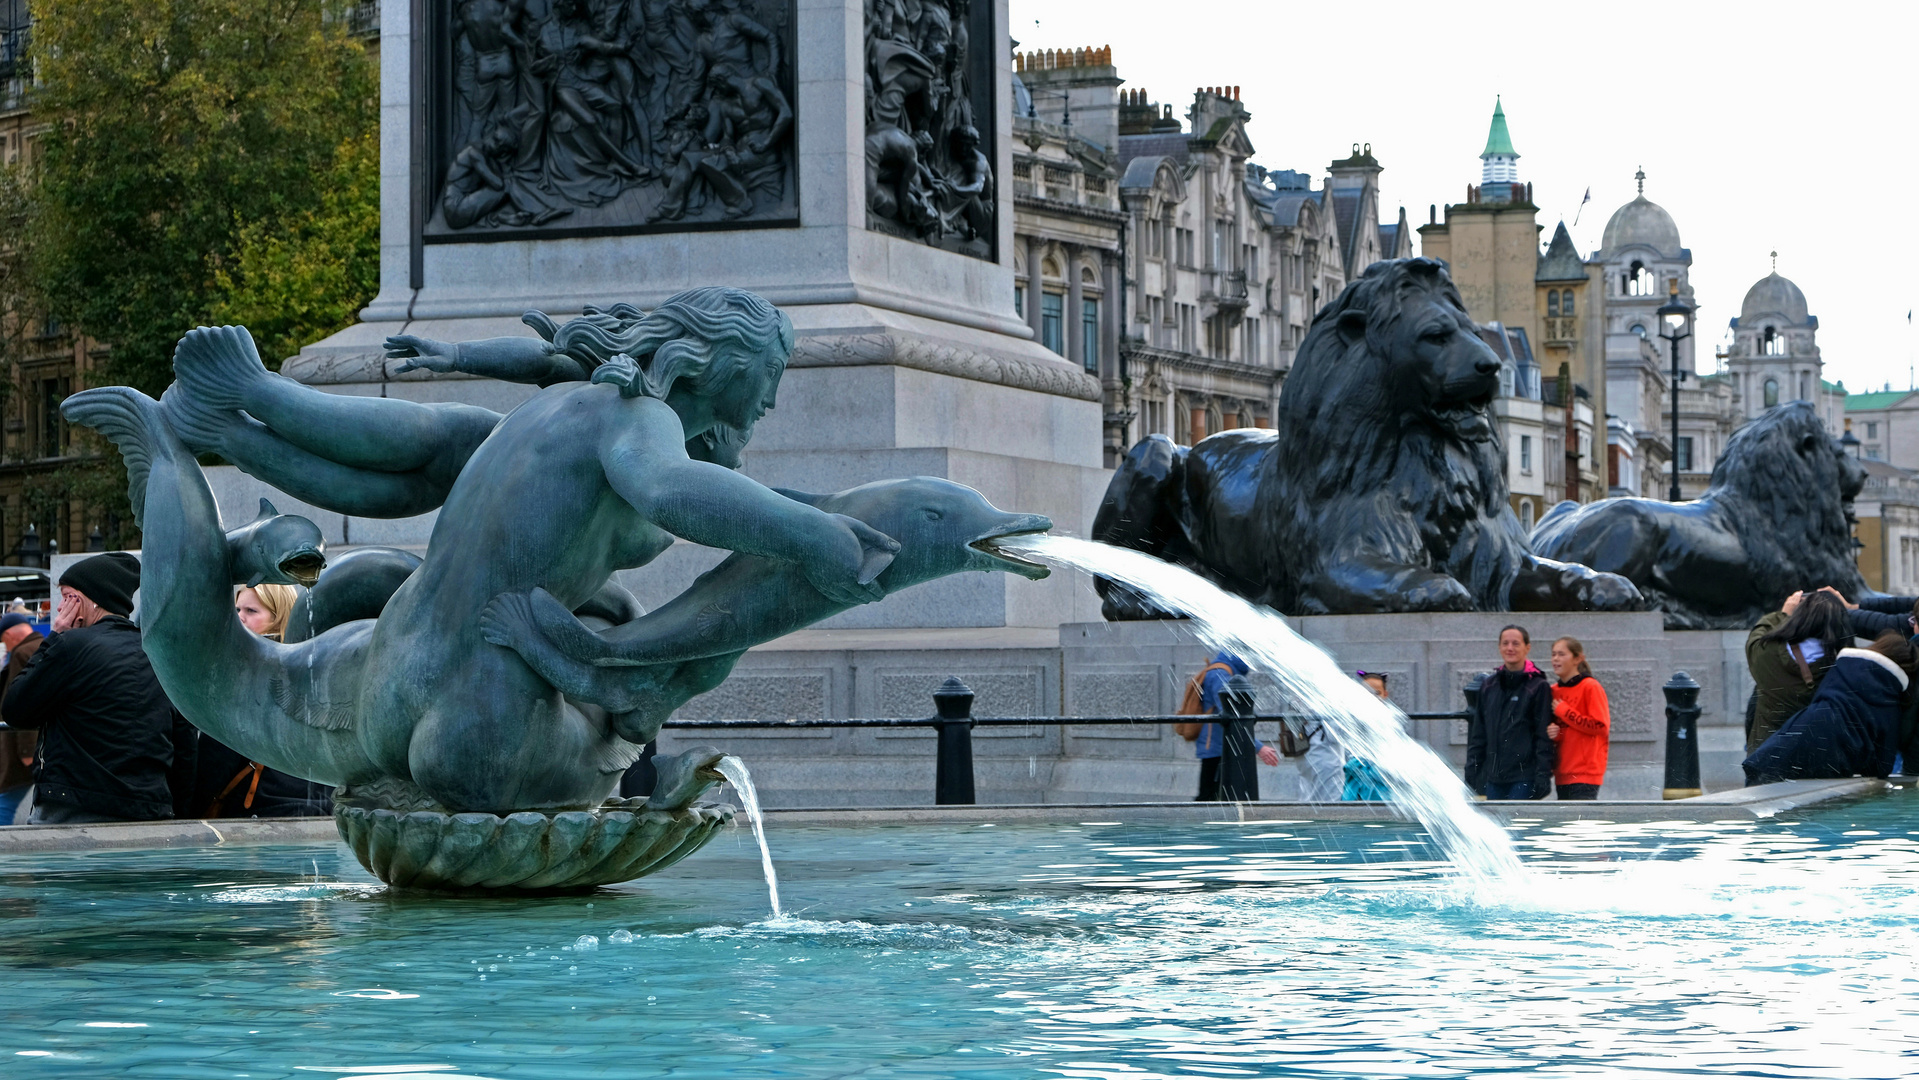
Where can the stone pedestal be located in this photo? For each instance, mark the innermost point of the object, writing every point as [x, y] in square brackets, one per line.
[910, 358]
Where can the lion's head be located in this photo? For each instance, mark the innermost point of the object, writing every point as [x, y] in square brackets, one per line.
[1396, 351]
[1789, 489]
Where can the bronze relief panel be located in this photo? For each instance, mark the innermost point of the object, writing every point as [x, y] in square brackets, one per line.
[555, 118]
[930, 121]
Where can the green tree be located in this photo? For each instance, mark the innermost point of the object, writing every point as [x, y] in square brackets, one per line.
[297, 279]
[180, 129]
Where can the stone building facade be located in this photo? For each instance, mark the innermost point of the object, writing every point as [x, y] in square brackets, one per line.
[1165, 256]
[1532, 306]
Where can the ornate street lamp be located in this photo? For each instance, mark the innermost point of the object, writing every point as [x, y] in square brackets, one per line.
[1850, 444]
[1675, 322]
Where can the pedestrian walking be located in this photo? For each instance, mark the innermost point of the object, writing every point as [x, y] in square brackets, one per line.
[16, 746]
[1581, 725]
[1509, 754]
[1361, 779]
[1209, 740]
[112, 748]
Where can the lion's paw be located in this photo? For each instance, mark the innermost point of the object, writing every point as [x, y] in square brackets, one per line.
[1610, 592]
[1439, 593]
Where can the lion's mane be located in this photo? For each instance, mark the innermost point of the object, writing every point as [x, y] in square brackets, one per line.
[1787, 503]
[1364, 460]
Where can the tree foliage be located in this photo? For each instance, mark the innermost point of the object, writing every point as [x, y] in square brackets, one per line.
[294, 280]
[185, 135]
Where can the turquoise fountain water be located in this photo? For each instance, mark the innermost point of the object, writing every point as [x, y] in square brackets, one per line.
[1276, 949]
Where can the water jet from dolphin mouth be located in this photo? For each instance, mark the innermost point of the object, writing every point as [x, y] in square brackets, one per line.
[1362, 725]
[735, 772]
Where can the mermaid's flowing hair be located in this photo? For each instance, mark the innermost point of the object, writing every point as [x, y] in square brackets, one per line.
[706, 335]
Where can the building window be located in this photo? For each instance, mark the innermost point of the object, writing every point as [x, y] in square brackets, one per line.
[1772, 392]
[1566, 303]
[1872, 451]
[1052, 322]
[1774, 343]
[1526, 512]
[1089, 334]
[1805, 386]
[1637, 329]
[1552, 302]
[1684, 453]
[1526, 454]
[1872, 429]
[1019, 301]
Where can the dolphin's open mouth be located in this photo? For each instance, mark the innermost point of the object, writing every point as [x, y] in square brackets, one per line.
[990, 546]
[304, 566]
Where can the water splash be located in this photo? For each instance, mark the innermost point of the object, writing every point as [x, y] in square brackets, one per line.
[1361, 724]
[735, 772]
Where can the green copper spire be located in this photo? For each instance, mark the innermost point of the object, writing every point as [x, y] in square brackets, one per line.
[1497, 140]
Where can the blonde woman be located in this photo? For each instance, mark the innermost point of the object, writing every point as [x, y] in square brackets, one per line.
[228, 785]
[264, 608]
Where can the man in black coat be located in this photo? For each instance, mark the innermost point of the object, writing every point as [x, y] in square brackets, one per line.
[1508, 753]
[111, 746]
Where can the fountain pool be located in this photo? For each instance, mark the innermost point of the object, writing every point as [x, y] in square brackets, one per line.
[1770, 948]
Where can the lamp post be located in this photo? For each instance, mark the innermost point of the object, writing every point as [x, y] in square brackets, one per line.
[1850, 444]
[1675, 326]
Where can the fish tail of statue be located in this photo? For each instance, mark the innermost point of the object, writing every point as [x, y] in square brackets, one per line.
[208, 394]
[274, 703]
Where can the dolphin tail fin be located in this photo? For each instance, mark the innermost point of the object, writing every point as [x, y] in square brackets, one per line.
[134, 423]
[214, 367]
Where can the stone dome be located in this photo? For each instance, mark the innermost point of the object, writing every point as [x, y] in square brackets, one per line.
[1642, 222]
[1774, 295]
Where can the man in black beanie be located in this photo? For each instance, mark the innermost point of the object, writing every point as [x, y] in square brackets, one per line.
[111, 746]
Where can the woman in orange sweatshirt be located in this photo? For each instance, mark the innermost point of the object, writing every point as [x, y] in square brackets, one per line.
[1582, 722]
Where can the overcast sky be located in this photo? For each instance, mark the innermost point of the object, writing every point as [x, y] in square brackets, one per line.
[1760, 126]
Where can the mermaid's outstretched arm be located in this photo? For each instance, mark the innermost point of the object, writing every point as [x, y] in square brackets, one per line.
[509, 359]
[371, 457]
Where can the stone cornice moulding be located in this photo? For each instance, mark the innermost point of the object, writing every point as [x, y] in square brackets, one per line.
[511, 306]
[868, 350]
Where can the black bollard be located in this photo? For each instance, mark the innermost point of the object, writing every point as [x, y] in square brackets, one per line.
[1682, 737]
[953, 783]
[1238, 779]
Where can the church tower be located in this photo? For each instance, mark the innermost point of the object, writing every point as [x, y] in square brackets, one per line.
[1499, 162]
[1775, 350]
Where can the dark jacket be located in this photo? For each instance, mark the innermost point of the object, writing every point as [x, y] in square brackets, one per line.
[1506, 739]
[15, 745]
[1779, 688]
[1851, 728]
[1877, 614]
[109, 737]
[226, 777]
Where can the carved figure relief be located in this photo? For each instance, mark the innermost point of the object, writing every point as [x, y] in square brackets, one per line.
[585, 116]
[929, 107]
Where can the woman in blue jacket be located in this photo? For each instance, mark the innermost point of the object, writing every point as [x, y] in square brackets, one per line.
[1852, 727]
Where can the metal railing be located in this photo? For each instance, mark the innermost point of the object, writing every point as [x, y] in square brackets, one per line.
[953, 783]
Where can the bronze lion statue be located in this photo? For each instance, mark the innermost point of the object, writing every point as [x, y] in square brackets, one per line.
[1382, 487]
[1777, 517]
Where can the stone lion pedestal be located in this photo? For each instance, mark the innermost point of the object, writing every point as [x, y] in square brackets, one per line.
[510, 183]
